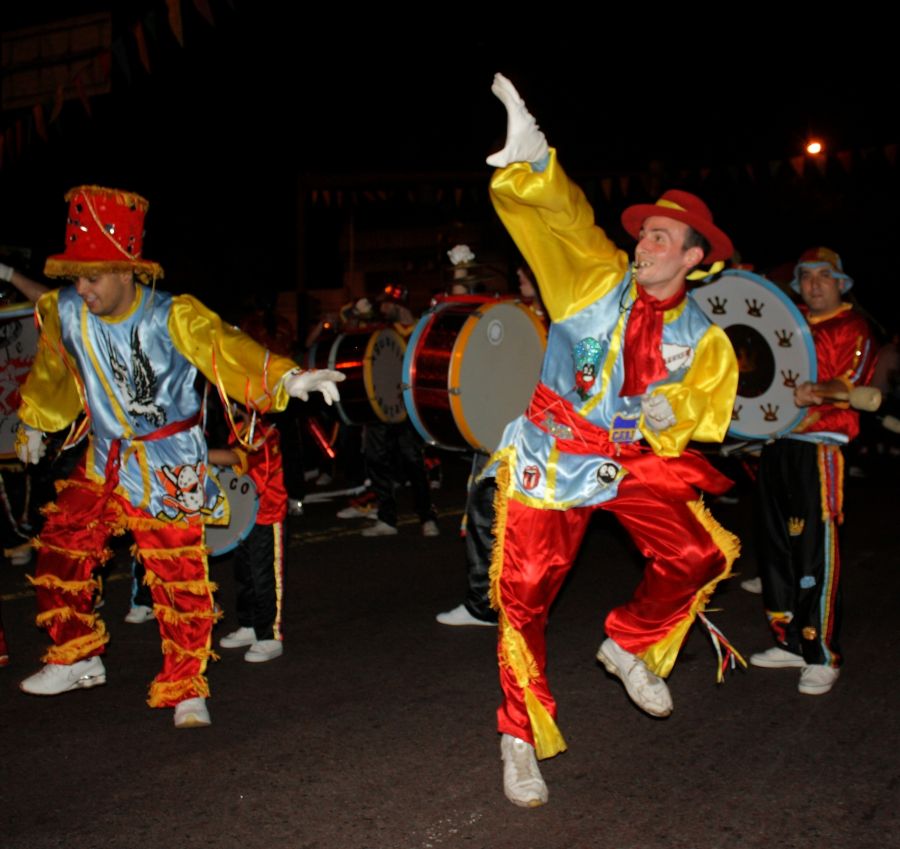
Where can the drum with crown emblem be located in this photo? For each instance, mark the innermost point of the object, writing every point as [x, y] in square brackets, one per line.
[774, 350]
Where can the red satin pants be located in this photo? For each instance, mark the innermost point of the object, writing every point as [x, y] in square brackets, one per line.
[539, 547]
[73, 544]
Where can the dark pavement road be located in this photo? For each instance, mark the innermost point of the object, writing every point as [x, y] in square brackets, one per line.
[376, 727]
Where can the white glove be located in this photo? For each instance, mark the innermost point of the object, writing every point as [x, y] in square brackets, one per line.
[29, 445]
[658, 412]
[6, 273]
[524, 140]
[298, 384]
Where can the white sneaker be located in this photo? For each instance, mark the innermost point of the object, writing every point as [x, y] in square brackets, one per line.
[816, 679]
[777, 658]
[192, 713]
[522, 781]
[264, 650]
[752, 585]
[56, 678]
[461, 616]
[355, 511]
[648, 691]
[20, 556]
[380, 529]
[139, 614]
[238, 639]
[430, 529]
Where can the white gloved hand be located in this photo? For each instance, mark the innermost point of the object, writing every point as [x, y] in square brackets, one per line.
[6, 273]
[30, 445]
[298, 384]
[524, 140]
[658, 412]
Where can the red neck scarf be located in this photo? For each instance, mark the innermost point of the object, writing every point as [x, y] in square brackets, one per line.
[642, 356]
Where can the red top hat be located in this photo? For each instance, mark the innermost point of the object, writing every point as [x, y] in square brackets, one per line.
[104, 232]
[682, 206]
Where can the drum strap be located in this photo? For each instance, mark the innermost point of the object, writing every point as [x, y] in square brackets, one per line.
[673, 478]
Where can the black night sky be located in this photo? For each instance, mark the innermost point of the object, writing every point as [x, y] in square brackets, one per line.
[219, 135]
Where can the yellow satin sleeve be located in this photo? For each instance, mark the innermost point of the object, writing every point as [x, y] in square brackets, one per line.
[703, 401]
[51, 400]
[227, 357]
[552, 224]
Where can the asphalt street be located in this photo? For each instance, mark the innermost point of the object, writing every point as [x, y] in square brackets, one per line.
[376, 727]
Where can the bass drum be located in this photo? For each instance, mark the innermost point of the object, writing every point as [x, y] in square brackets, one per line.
[373, 365]
[470, 368]
[774, 349]
[243, 503]
[18, 346]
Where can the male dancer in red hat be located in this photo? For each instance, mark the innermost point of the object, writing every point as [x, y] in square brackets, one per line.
[126, 355]
[800, 489]
[633, 371]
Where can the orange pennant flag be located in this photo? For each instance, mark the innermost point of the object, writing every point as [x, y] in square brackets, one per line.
[175, 20]
[82, 93]
[138, 31]
[57, 103]
[104, 63]
[39, 125]
[202, 6]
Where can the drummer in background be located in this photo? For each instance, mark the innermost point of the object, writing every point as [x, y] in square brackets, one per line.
[468, 276]
[393, 451]
[476, 608]
[271, 329]
[633, 371]
[801, 482]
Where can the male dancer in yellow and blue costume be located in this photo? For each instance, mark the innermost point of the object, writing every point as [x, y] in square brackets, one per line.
[127, 356]
[633, 371]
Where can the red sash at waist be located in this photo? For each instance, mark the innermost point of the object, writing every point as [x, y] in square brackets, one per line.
[115, 446]
[674, 478]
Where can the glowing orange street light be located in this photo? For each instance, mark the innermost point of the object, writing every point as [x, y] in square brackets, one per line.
[814, 147]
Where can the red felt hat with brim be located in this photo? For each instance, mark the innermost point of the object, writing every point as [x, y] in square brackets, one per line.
[104, 233]
[681, 206]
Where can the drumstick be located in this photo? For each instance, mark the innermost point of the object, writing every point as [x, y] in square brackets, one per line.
[865, 398]
[891, 423]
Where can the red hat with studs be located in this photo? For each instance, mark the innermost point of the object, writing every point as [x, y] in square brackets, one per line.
[681, 206]
[104, 233]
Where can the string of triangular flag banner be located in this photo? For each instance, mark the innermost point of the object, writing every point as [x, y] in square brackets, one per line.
[32, 126]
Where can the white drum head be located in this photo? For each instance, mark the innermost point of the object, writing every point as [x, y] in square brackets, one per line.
[774, 349]
[242, 504]
[386, 376]
[501, 349]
